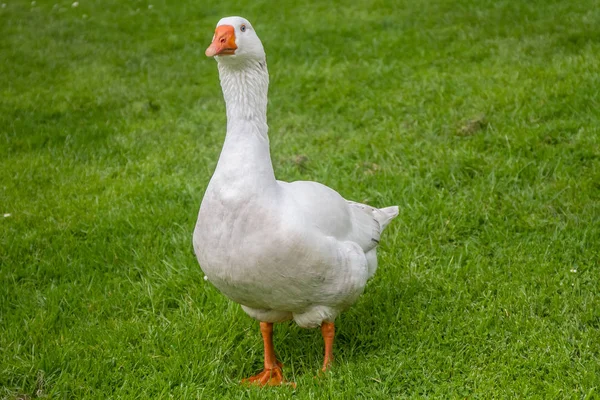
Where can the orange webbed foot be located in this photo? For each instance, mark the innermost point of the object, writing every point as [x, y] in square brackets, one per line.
[269, 377]
[327, 365]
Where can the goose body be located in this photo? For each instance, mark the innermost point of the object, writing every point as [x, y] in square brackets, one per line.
[282, 250]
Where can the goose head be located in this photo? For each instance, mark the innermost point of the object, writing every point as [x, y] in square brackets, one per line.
[235, 41]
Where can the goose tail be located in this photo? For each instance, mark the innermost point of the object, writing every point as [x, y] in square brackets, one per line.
[385, 215]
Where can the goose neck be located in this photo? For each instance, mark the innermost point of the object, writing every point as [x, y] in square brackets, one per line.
[245, 89]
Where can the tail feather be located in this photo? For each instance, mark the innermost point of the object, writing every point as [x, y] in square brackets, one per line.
[382, 215]
[386, 215]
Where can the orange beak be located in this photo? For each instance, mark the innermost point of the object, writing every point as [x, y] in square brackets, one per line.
[223, 42]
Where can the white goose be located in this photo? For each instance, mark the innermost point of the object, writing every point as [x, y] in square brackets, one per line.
[282, 250]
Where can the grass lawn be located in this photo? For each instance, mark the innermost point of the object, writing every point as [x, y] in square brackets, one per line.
[480, 119]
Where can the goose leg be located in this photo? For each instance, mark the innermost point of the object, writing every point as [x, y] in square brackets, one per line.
[328, 332]
[271, 375]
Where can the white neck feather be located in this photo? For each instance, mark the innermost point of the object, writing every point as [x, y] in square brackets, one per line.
[245, 159]
[245, 88]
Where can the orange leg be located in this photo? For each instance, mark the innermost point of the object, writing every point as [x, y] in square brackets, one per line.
[328, 332]
[271, 375]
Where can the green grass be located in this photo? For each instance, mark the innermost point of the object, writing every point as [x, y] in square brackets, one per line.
[480, 119]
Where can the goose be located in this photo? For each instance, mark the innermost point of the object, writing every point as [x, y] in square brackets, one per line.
[284, 251]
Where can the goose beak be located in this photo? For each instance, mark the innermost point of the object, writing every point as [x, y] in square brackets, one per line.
[223, 42]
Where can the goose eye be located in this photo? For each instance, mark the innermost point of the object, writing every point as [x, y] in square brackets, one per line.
[243, 28]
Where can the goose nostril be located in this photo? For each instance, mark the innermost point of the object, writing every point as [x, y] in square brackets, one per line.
[222, 40]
